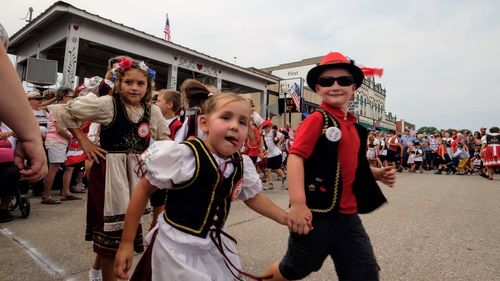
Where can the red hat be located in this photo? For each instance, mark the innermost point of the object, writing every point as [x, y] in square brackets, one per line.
[334, 60]
[266, 123]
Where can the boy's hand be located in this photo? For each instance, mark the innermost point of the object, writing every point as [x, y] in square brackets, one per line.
[387, 175]
[300, 219]
[123, 260]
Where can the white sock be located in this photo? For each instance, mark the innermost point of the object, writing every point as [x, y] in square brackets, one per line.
[95, 274]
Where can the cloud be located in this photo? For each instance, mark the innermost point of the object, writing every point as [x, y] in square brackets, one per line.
[439, 57]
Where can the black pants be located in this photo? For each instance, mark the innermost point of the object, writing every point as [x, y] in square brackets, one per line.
[343, 238]
[9, 178]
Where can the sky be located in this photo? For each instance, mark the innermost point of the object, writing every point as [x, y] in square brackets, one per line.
[440, 58]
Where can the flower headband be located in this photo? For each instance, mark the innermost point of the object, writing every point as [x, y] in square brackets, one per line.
[125, 64]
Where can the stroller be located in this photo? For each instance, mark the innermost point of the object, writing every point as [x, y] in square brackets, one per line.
[21, 201]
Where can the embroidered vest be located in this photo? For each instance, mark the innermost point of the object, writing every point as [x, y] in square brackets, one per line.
[323, 180]
[191, 206]
[124, 136]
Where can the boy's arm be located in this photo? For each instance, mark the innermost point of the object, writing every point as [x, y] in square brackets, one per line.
[264, 206]
[135, 210]
[299, 215]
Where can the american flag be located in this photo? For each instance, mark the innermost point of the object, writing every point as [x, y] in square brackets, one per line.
[166, 30]
[295, 95]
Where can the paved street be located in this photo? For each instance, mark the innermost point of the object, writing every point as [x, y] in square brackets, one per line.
[434, 228]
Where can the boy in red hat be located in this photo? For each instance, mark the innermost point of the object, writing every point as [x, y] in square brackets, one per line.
[330, 182]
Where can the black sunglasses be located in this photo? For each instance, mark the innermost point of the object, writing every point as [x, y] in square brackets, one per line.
[328, 81]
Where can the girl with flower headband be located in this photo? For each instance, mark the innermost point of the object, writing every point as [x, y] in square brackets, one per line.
[128, 121]
[189, 241]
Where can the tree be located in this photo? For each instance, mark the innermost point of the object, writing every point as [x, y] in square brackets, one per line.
[427, 130]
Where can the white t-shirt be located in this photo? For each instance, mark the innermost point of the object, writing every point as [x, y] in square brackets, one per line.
[272, 148]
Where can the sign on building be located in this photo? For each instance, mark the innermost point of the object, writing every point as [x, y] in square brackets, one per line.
[291, 93]
[353, 106]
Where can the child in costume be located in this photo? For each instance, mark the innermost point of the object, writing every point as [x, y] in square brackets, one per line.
[330, 182]
[491, 148]
[194, 94]
[128, 122]
[189, 242]
[169, 102]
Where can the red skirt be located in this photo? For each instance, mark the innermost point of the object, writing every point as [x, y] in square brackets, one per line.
[491, 157]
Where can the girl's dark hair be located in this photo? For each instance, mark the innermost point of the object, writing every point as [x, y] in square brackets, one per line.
[194, 92]
[62, 92]
[120, 73]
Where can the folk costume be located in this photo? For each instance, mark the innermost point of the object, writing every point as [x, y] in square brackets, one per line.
[338, 185]
[189, 242]
[491, 156]
[125, 133]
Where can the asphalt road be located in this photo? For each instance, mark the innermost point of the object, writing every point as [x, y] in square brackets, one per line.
[435, 227]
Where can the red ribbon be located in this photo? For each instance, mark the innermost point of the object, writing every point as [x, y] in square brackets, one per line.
[370, 72]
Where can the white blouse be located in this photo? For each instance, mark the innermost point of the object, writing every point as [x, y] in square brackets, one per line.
[168, 162]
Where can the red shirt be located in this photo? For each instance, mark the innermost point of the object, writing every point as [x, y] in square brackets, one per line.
[252, 147]
[307, 136]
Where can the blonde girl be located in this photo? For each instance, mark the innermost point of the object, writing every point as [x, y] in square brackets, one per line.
[128, 121]
[189, 241]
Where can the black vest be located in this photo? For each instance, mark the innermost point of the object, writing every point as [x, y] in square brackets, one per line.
[124, 136]
[191, 206]
[323, 180]
[490, 139]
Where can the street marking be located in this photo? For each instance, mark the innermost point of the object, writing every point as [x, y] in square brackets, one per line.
[43, 261]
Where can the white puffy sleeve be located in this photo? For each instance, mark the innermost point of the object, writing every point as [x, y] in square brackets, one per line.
[85, 108]
[167, 162]
[251, 180]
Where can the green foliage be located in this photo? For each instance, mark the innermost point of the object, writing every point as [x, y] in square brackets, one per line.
[427, 130]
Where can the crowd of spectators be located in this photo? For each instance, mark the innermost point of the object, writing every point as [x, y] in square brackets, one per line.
[443, 152]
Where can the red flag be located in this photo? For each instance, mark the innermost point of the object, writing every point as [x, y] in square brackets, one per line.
[370, 72]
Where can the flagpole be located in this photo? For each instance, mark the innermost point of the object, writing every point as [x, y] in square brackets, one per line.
[165, 34]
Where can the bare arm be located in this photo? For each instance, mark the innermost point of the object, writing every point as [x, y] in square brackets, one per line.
[264, 206]
[62, 132]
[16, 112]
[299, 215]
[135, 210]
[44, 105]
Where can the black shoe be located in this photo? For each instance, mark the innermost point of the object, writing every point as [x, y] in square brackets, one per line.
[483, 175]
[437, 173]
[5, 215]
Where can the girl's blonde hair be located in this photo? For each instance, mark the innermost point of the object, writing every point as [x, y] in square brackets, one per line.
[139, 65]
[217, 101]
